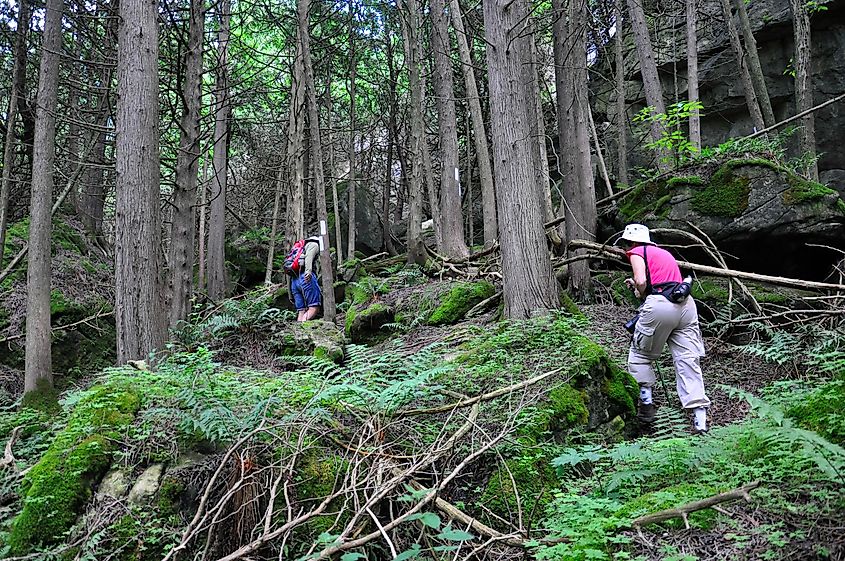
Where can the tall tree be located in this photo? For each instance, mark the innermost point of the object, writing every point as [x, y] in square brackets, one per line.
[692, 72]
[317, 161]
[216, 277]
[183, 231]
[295, 226]
[485, 171]
[39, 371]
[16, 92]
[804, 83]
[411, 34]
[621, 116]
[138, 304]
[529, 285]
[452, 223]
[744, 74]
[757, 78]
[651, 80]
[350, 183]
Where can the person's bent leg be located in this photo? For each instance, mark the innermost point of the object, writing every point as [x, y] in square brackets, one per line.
[650, 334]
[311, 312]
[312, 296]
[687, 347]
[298, 297]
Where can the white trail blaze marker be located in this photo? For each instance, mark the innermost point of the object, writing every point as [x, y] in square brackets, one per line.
[323, 232]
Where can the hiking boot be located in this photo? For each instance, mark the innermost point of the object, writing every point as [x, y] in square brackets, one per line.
[646, 413]
[699, 422]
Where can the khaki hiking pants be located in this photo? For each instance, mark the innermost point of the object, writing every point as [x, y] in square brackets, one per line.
[662, 321]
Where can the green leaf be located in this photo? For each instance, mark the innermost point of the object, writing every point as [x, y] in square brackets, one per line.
[352, 556]
[455, 535]
[409, 554]
[430, 519]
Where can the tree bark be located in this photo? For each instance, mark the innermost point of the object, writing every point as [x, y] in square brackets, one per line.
[804, 84]
[759, 81]
[692, 72]
[411, 32]
[338, 231]
[482, 153]
[201, 242]
[604, 175]
[538, 134]
[651, 80]
[39, 372]
[17, 91]
[295, 223]
[745, 76]
[621, 116]
[274, 228]
[183, 231]
[216, 276]
[329, 310]
[138, 303]
[350, 183]
[452, 223]
[529, 287]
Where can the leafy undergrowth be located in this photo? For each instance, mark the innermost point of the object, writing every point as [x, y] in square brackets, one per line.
[239, 409]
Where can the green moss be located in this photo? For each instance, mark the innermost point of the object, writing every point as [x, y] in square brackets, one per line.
[726, 194]
[802, 191]
[710, 290]
[43, 398]
[840, 206]
[671, 497]
[459, 300]
[823, 411]
[169, 496]
[316, 476]
[535, 483]
[693, 180]
[621, 388]
[350, 320]
[643, 200]
[57, 488]
[361, 324]
[568, 305]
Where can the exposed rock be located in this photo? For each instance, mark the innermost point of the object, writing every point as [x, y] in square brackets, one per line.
[319, 338]
[364, 323]
[750, 208]
[835, 179]
[459, 300]
[114, 484]
[146, 487]
[246, 261]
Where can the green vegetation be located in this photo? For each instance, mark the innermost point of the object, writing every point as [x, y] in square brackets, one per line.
[535, 482]
[459, 300]
[823, 411]
[726, 194]
[60, 484]
[803, 191]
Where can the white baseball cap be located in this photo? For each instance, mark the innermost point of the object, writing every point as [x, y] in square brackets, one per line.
[636, 233]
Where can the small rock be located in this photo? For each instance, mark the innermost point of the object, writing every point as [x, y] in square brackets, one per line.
[147, 485]
[114, 484]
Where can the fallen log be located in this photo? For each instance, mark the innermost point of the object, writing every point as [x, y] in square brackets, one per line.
[684, 510]
[617, 254]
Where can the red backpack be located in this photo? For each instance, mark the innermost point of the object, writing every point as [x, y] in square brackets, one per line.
[293, 262]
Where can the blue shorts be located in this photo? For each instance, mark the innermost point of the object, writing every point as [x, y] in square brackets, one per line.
[306, 294]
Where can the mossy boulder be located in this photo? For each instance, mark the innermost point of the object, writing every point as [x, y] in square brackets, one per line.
[823, 411]
[363, 324]
[672, 497]
[459, 300]
[749, 207]
[316, 476]
[246, 259]
[527, 483]
[318, 338]
[56, 489]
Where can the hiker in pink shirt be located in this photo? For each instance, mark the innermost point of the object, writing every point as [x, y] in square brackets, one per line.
[667, 315]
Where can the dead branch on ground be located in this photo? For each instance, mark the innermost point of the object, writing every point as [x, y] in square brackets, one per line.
[684, 510]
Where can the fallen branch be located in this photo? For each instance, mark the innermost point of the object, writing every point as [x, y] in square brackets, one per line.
[483, 304]
[98, 315]
[484, 397]
[8, 455]
[609, 252]
[684, 510]
[374, 257]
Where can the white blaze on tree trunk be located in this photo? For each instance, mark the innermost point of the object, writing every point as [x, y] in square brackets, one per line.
[804, 84]
[452, 226]
[39, 370]
[139, 316]
[529, 285]
[216, 276]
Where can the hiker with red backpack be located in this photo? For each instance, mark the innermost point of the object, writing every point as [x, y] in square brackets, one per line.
[303, 286]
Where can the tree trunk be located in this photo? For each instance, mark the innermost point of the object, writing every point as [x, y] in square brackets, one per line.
[183, 231]
[39, 371]
[452, 223]
[411, 31]
[432, 189]
[216, 277]
[804, 84]
[274, 228]
[295, 223]
[485, 172]
[651, 80]
[203, 187]
[757, 78]
[745, 76]
[138, 303]
[350, 183]
[692, 73]
[392, 138]
[529, 287]
[329, 311]
[621, 115]
[468, 181]
[17, 90]
[599, 155]
[338, 230]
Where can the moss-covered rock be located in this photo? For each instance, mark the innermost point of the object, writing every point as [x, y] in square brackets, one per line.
[805, 191]
[318, 338]
[823, 411]
[726, 194]
[459, 300]
[316, 476]
[56, 489]
[363, 324]
[672, 497]
[534, 480]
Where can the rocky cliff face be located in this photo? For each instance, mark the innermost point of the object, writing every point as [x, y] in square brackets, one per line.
[725, 112]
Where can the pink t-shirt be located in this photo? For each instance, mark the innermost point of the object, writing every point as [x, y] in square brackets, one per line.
[661, 265]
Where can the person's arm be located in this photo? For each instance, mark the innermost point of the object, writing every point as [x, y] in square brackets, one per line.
[639, 282]
[312, 250]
